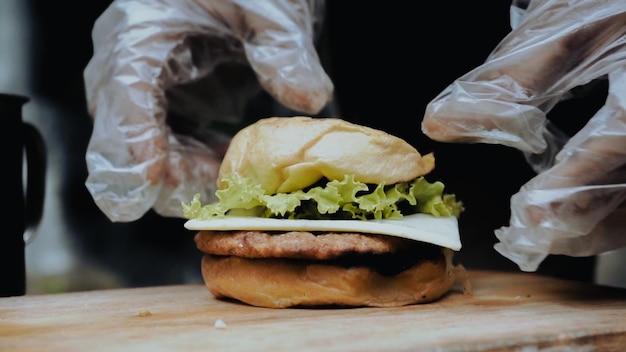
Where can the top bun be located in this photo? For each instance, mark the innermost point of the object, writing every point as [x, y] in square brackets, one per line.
[285, 154]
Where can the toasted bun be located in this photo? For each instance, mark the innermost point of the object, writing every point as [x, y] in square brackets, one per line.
[279, 283]
[290, 153]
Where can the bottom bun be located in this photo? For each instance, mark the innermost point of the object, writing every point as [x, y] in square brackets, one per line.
[280, 283]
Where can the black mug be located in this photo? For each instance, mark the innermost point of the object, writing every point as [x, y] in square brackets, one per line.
[23, 197]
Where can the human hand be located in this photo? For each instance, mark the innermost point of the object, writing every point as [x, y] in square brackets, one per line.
[574, 206]
[164, 72]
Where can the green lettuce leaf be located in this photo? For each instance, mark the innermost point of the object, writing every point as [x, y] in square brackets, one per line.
[345, 199]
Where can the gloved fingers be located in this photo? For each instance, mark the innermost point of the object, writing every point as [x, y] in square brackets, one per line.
[596, 155]
[126, 193]
[127, 152]
[278, 37]
[189, 166]
[464, 114]
[528, 253]
[173, 45]
[558, 45]
[577, 206]
[150, 53]
[141, 48]
[527, 241]
[555, 139]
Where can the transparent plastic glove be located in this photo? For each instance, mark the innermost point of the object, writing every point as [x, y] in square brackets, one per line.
[164, 72]
[574, 205]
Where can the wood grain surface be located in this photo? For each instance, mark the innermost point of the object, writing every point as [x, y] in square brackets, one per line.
[506, 312]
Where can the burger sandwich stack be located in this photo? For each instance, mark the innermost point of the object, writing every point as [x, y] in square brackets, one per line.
[321, 211]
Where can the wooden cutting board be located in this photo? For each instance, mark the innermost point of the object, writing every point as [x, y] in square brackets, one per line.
[506, 312]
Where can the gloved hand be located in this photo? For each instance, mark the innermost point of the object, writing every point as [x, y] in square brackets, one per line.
[164, 72]
[574, 206]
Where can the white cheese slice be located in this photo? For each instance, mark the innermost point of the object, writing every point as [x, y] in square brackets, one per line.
[442, 231]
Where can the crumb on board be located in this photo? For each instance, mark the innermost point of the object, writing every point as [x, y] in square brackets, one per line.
[144, 313]
[220, 324]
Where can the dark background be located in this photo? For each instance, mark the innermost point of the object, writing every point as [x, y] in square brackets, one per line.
[387, 63]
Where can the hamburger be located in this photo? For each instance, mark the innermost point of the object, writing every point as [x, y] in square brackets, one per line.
[324, 212]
